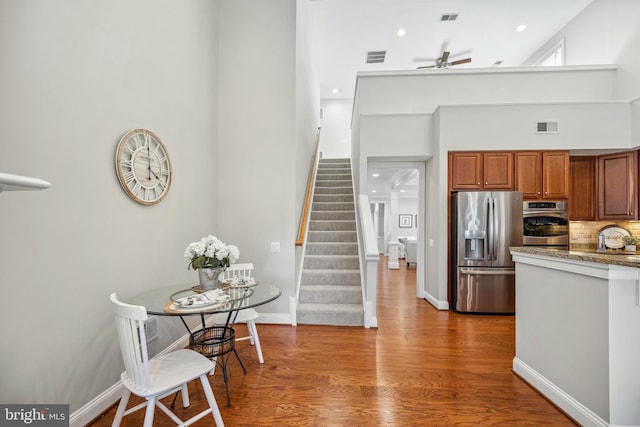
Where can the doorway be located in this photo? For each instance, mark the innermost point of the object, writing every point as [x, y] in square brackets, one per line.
[398, 189]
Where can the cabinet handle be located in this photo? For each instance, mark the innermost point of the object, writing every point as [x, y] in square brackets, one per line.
[538, 193]
[545, 193]
[486, 183]
[478, 183]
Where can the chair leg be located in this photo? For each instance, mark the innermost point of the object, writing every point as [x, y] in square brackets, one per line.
[124, 400]
[253, 330]
[148, 415]
[215, 411]
[185, 396]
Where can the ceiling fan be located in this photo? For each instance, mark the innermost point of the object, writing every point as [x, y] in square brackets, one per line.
[443, 60]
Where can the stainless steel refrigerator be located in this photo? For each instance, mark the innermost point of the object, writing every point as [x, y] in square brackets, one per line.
[484, 224]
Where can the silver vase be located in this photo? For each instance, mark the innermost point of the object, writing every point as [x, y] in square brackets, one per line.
[210, 277]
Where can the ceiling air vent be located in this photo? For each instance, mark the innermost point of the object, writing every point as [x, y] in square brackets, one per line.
[547, 127]
[376, 56]
[449, 17]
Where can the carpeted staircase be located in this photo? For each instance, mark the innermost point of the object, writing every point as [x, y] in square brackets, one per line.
[330, 289]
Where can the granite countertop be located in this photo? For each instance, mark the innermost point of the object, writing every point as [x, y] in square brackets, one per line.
[612, 256]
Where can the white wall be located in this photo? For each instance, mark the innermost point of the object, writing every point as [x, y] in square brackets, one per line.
[260, 183]
[421, 91]
[512, 126]
[76, 76]
[392, 137]
[605, 32]
[335, 142]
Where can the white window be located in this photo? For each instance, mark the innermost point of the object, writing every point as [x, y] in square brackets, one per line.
[554, 57]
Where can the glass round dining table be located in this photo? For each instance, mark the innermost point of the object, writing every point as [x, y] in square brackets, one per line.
[165, 301]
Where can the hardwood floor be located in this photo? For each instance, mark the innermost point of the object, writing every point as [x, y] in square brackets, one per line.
[420, 367]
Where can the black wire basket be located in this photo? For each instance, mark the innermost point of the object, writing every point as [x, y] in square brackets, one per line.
[213, 341]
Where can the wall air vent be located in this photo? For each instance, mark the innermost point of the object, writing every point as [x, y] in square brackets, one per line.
[547, 127]
[376, 56]
[449, 17]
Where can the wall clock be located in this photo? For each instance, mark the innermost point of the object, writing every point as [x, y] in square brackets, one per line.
[143, 166]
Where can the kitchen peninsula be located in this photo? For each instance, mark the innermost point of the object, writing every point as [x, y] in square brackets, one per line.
[578, 332]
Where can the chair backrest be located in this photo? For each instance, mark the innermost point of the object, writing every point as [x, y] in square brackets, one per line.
[133, 342]
[242, 269]
[235, 270]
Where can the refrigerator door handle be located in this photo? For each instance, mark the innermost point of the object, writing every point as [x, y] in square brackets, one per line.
[490, 229]
[496, 226]
[487, 272]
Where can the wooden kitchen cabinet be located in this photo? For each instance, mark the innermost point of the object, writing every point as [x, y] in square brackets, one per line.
[582, 188]
[617, 186]
[542, 174]
[481, 171]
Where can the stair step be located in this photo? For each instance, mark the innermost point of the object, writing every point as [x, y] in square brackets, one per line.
[332, 206]
[349, 277]
[332, 262]
[334, 190]
[336, 160]
[334, 171]
[330, 314]
[333, 198]
[327, 294]
[333, 216]
[333, 177]
[333, 183]
[332, 225]
[331, 248]
[332, 236]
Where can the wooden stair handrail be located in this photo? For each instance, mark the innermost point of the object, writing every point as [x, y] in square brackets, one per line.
[307, 200]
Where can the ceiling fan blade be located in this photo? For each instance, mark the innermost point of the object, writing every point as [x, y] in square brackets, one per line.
[423, 59]
[426, 66]
[461, 53]
[445, 56]
[461, 61]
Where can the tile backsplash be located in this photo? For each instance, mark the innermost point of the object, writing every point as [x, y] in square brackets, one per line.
[584, 234]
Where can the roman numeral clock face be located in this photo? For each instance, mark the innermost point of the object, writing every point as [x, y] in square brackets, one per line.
[143, 166]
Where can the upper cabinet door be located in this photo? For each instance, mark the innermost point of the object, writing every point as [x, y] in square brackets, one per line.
[466, 170]
[617, 176]
[542, 174]
[555, 175]
[498, 170]
[528, 171]
[582, 194]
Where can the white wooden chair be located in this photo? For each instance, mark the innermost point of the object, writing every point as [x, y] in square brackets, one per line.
[159, 377]
[247, 315]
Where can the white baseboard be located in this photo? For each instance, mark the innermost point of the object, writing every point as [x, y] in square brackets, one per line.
[440, 305]
[580, 413]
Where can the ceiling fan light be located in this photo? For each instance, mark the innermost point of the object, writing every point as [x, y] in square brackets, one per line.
[521, 28]
[401, 32]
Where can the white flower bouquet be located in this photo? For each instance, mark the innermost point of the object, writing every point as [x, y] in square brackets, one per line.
[211, 252]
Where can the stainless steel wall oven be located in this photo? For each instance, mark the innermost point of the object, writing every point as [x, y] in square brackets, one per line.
[545, 223]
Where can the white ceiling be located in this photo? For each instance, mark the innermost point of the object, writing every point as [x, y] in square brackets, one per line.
[341, 32]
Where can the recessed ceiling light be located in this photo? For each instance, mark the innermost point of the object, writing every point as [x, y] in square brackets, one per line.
[336, 90]
[401, 32]
[375, 175]
[521, 28]
[373, 191]
[402, 191]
